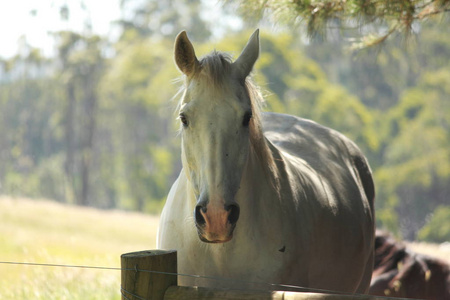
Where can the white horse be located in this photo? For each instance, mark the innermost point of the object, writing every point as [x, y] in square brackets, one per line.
[263, 197]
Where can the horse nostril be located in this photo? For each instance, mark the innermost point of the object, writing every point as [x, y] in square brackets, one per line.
[198, 215]
[233, 215]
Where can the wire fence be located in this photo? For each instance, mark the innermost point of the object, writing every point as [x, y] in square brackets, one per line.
[125, 294]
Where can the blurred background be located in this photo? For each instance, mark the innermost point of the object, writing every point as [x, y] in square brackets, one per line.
[87, 117]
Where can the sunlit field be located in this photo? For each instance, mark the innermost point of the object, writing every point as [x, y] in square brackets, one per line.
[52, 233]
[441, 251]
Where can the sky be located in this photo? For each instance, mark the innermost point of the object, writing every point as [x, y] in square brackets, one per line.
[16, 21]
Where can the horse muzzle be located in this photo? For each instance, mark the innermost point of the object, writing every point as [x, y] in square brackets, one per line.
[216, 224]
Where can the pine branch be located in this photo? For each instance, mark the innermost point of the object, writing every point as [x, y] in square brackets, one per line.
[317, 15]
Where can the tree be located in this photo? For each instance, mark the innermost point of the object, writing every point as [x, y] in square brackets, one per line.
[137, 117]
[82, 67]
[391, 16]
[415, 174]
[379, 75]
[437, 229]
[29, 133]
[163, 19]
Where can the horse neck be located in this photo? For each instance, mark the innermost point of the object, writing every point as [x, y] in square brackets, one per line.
[261, 175]
[259, 197]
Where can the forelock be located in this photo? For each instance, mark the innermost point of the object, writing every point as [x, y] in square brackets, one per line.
[216, 68]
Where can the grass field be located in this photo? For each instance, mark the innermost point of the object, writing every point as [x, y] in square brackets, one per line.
[51, 233]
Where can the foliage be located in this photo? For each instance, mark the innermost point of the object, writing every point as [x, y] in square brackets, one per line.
[138, 117]
[416, 156]
[437, 229]
[318, 16]
[82, 68]
[163, 19]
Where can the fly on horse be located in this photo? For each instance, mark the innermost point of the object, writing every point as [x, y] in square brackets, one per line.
[263, 197]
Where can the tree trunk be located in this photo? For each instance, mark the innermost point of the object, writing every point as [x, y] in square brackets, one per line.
[69, 165]
[88, 140]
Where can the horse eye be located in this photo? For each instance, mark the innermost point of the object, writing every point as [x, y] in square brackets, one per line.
[184, 120]
[247, 117]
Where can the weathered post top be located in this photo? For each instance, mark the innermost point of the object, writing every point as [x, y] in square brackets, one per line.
[148, 274]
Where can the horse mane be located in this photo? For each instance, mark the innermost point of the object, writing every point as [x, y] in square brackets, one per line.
[215, 69]
[258, 142]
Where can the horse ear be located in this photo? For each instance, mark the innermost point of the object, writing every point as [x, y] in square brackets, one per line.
[244, 63]
[185, 57]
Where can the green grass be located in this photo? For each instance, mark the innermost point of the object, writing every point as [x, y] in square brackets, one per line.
[45, 232]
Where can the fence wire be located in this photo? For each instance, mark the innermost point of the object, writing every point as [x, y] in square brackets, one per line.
[124, 293]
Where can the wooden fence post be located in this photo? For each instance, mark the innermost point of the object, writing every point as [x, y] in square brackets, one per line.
[138, 283]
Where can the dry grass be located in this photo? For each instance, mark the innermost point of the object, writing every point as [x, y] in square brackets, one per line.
[52, 233]
[441, 251]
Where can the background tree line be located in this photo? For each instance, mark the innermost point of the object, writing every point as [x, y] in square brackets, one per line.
[95, 125]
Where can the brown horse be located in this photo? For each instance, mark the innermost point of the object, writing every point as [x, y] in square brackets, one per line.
[399, 272]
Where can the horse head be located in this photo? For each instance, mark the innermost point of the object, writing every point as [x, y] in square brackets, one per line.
[217, 117]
